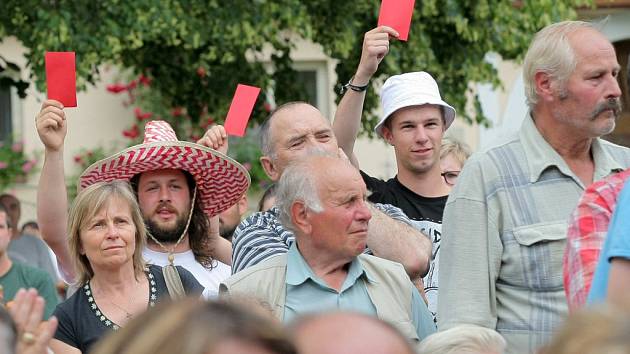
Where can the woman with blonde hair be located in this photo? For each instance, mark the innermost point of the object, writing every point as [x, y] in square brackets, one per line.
[106, 237]
[197, 327]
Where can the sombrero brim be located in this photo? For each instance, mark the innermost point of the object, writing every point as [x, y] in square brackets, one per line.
[221, 181]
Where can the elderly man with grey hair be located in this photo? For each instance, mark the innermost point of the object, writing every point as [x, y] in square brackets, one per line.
[322, 199]
[505, 222]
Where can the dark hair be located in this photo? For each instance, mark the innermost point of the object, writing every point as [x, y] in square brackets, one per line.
[4, 210]
[270, 192]
[199, 224]
[32, 224]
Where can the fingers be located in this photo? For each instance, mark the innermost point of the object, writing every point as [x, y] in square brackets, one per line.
[52, 103]
[216, 138]
[50, 117]
[46, 331]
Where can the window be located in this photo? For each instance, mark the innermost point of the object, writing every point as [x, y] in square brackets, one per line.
[6, 126]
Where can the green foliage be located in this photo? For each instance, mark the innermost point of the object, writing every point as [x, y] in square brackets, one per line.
[83, 159]
[197, 51]
[15, 165]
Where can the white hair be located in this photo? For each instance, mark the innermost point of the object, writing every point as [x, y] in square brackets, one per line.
[463, 339]
[550, 52]
[297, 183]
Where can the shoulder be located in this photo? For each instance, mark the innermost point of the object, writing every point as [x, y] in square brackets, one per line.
[383, 263]
[620, 154]
[270, 266]
[260, 222]
[30, 272]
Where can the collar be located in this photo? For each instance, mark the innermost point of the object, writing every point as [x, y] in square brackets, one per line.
[540, 155]
[298, 271]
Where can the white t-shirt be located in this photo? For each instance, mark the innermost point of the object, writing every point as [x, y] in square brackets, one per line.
[208, 278]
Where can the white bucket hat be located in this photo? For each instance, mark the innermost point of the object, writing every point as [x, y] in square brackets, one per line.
[411, 89]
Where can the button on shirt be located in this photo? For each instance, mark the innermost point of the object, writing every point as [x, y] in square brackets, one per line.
[307, 293]
[505, 227]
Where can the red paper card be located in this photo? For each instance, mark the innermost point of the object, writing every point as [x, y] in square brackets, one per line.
[397, 15]
[61, 77]
[240, 109]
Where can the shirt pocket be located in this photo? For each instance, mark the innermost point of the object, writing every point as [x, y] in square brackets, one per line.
[537, 255]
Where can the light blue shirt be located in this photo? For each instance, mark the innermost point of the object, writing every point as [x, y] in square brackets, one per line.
[307, 293]
[617, 245]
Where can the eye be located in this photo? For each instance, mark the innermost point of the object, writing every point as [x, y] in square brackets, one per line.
[297, 143]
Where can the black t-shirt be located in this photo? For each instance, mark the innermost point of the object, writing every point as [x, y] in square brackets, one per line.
[415, 206]
[426, 215]
[81, 322]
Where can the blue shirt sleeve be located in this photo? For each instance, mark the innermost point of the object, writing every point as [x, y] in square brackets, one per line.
[421, 317]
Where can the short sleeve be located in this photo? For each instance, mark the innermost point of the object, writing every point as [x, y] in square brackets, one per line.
[65, 329]
[619, 230]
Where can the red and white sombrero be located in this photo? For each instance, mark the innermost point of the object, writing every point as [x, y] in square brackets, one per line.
[221, 181]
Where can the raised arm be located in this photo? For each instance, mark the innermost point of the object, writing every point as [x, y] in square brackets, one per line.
[391, 236]
[216, 138]
[52, 199]
[348, 116]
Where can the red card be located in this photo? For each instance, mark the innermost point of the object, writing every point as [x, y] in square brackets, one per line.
[61, 77]
[240, 109]
[397, 15]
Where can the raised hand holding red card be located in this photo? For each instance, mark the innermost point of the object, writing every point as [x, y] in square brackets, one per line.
[397, 15]
[61, 77]
[241, 109]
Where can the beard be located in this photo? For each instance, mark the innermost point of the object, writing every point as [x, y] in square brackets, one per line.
[167, 235]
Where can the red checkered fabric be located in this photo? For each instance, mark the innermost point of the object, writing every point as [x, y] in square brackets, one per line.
[586, 234]
[220, 180]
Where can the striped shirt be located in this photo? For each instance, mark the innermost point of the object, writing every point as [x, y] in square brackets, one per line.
[504, 229]
[262, 235]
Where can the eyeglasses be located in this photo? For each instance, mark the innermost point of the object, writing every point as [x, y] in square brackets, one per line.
[450, 177]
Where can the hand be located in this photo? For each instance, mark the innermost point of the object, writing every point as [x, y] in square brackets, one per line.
[216, 137]
[51, 125]
[375, 47]
[27, 310]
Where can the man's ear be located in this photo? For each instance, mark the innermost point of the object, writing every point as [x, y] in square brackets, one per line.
[545, 85]
[387, 134]
[242, 205]
[300, 217]
[270, 168]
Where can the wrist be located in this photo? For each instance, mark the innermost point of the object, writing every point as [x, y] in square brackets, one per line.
[360, 79]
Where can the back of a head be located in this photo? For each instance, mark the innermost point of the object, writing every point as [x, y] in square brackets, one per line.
[592, 331]
[463, 339]
[550, 52]
[197, 327]
[347, 333]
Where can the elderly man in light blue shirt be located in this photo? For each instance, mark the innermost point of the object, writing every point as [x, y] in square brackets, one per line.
[323, 201]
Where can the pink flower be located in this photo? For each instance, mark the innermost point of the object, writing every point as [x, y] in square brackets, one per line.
[140, 116]
[177, 112]
[17, 146]
[78, 159]
[247, 165]
[28, 166]
[3, 165]
[146, 81]
[132, 133]
[116, 88]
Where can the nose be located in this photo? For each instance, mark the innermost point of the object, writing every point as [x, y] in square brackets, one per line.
[614, 91]
[364, 213]
[112, 230]
[421, 135]
[165, 194]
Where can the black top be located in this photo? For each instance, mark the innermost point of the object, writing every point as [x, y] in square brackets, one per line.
[81, 322]
[416, 207]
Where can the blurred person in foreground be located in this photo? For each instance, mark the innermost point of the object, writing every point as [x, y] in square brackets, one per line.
[312, 335]
[464, 339]
[196, 327]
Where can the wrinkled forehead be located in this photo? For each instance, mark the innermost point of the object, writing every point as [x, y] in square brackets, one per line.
[296, 120]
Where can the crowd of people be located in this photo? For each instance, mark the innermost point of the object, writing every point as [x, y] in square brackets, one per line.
[451, 255]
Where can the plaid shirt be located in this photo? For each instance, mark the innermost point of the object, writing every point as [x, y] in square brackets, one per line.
[585, 237]
[504, 236]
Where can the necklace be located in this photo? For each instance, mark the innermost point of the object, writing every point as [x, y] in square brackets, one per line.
[128, 314]
[170, 251]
